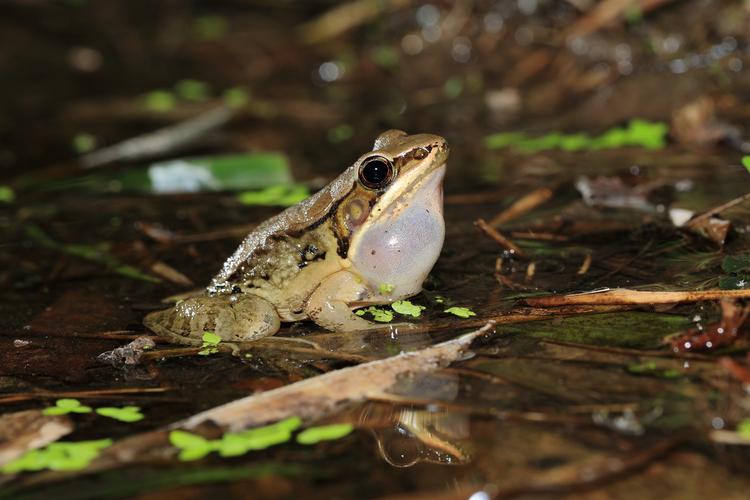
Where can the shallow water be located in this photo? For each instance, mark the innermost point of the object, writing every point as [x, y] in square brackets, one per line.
[579, 404]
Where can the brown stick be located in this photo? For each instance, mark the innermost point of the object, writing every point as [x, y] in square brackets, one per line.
[607, 12]
[103, 393]
[717, 210]
[625, 296]
[522, 205]
[499, 238]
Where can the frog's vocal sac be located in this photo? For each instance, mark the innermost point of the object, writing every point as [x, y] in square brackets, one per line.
[369, 237]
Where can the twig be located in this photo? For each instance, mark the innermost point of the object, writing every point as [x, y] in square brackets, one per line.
[523, 205]
[728, 437]
[499, 238]
[345, 17]
[607, 12]
[716, 210]
[585, 265]
[625, 296]
[533, 235]
[160, 142]
[97, 394]
[325, 392]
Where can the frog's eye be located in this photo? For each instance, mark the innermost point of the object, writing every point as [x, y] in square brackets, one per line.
[375, 172]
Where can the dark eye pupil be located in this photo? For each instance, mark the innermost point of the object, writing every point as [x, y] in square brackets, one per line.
[375, 173]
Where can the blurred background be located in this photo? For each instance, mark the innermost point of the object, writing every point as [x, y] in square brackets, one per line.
[141, 140]
[319, 80]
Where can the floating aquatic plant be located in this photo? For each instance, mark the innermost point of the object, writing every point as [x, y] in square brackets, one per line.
[637, 133]
[461, 312]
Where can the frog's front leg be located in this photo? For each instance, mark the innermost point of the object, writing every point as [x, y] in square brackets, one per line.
[331, 304]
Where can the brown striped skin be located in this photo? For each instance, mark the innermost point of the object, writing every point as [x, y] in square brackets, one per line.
[285, 260]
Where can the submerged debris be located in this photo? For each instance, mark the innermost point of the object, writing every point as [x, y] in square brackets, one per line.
[128, 354]
[27, 430]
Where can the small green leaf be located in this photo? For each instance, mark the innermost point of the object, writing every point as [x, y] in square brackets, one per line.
[193, 90]
[236, 97]
[461, 312]
[160, 101]
[651, 368]
[746, 162]
[385, 56]
[315, 435]
[386, 288]
[743, 429]
[190, 454]
[210, 343]
[65, 406]
[125, 414]
[6, 194]
[406, 308]
[194, 447]
[210, 339]
[185, 440]
[68, 403]
[453, 87]
[646, 367]
[83, 143]
[210, 27]
[290, 424]
[379, 315]
[672, 373]
[232, 445]
[59, 456]
[638, 133]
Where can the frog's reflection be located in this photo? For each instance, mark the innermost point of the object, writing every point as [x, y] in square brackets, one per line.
[407, 436]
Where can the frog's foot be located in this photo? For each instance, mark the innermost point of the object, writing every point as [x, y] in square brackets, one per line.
[234, 318]
[331, 304]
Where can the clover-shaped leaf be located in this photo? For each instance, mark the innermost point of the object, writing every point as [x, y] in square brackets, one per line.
[461, 312]
[406, 308]
[192, 446]
[315, 435]
[65, 406]
[125, 414]
[60, 456]
[379, 315]
[232, 444]
[210, 344]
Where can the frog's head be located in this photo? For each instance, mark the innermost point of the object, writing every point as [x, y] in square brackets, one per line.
[394, 214]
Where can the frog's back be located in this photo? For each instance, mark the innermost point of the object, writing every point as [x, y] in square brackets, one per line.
[281, 246]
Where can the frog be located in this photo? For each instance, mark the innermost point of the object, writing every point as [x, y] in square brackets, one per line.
[370, 237]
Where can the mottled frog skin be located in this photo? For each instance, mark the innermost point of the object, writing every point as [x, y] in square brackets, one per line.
[380, 222]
